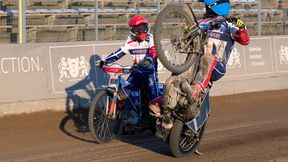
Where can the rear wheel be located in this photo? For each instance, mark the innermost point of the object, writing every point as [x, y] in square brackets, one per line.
[100, 124]
[183, 142]
[174, 47]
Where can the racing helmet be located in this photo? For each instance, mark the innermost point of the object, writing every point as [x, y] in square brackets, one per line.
[138, 26]
[219, 7]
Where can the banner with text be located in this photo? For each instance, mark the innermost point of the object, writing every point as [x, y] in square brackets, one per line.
[41, 71]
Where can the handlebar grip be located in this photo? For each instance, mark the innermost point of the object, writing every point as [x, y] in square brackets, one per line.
[99, 63]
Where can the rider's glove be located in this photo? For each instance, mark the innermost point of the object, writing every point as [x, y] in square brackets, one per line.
[186, 29]
[240, 24]
[147, 62]
[100, 63]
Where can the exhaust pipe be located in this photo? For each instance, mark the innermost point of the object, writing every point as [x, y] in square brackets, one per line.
[186, 88]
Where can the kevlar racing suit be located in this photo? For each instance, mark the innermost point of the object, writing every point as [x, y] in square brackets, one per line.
[139, 51]
[216, 51]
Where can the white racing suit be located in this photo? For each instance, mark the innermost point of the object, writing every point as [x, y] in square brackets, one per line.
[140, 51]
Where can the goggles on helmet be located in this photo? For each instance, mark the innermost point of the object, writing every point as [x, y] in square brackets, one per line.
[139, 29]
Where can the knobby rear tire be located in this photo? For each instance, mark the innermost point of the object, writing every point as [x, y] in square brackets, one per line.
[176, 137]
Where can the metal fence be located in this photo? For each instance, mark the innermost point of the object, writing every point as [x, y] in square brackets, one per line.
[41, 21]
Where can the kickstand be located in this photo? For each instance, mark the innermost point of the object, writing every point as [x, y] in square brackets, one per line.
[197, 152]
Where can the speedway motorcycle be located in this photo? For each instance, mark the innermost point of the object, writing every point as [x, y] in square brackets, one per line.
[179, 43]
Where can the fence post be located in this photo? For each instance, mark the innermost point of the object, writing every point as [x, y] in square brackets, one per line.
[22, 21]
[284, 24]
[259, 18]
[158, 6]
[96, 19]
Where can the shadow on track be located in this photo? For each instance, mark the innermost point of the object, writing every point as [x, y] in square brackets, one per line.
[148, 141]
[75, 125]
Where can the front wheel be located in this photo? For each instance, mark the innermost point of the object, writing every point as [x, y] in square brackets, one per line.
[174, 43]
[100, 124]
[183, 142]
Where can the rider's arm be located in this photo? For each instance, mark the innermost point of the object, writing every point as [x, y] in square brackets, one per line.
[152, 49]
[117, 54]
[114, 56]
[240, 35]
[205, 24]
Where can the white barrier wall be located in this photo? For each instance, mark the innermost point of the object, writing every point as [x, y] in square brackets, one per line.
[39, 71]
[263, 65]
[56, 75]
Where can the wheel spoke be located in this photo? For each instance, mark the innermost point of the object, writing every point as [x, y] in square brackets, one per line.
[183, 142]
[104, 128]
[104, 104]
[101, 132]
[101, 125]
[174, 24]
[105, 132]
[173, 44]
[98, 122]
[109, 130]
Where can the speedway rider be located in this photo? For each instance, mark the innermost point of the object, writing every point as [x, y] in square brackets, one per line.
[140, 45]
[216, 51]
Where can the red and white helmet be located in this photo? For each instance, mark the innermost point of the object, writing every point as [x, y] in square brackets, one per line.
[138, 26]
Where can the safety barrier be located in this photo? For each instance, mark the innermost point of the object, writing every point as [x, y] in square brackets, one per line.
[46, 76]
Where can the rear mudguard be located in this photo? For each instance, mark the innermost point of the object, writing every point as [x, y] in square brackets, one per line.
[199, 121]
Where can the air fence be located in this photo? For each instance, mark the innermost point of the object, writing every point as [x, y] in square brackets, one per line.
[39, 76]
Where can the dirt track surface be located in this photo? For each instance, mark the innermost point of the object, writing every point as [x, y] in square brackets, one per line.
[244, 127]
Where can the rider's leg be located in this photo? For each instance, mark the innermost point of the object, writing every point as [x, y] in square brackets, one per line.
[153, 90]
[218, 72]
[150, 81]
[207, 65]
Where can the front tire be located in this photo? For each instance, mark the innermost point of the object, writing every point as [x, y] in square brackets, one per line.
[181, 144]
[101, 126]
[170, 44]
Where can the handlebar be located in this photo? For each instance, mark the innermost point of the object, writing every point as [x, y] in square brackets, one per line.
[223, 19]
[220, 20]
[120, 69]
[117, 68]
